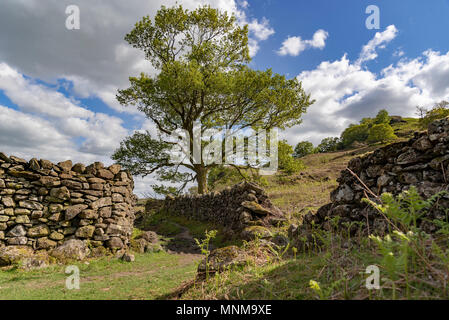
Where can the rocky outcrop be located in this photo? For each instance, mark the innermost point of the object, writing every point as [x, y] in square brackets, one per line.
[234, 208]
[422, 161]
[43, 205]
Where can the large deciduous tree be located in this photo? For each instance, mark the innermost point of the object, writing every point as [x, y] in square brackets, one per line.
[201, 58]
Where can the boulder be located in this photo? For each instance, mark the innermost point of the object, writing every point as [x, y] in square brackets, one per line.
[222, 259]
[255, 208]
[128, 257]
[72, 249]
[13, 254]
[253, 232]
[24, 257]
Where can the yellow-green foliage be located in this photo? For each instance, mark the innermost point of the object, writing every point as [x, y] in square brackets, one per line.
[439, 111]
[381, 133]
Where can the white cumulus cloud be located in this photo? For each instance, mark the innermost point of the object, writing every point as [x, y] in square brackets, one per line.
[380, 40]
[294, 45]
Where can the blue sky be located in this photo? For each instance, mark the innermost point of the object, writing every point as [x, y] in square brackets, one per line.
[422, 25]
[58, 86]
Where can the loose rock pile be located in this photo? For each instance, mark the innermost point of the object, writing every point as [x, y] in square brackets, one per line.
[422, 161]
[42, 205]
[234, 208]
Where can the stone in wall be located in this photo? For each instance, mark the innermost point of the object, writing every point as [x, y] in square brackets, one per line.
[42, 205]
[422, 161]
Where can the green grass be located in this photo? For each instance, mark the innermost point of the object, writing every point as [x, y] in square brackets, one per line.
[149, 277]
[407, 129]
[339, 271]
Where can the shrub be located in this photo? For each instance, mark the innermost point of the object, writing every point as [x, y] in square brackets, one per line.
[328, 145]
[355, 133]
[381, 133]
[382, 117]
[286, 161]
[303, 149]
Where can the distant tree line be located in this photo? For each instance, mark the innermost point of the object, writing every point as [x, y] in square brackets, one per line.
[369, 130]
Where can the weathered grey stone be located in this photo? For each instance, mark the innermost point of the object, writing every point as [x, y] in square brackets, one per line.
[4, 157]
[8, 202]
[56, 236]
[22, 219]
[17, 231]
[223, 259]
[23, 174]
[255, 207]
[128, 257]
[45, 243]
[105, 174]
[49, 181]
[17, 241]
[85, 232]
[71, 250]
[45, 164]
[14, 254]
[54, 208]
[60, 193]
[343, 194]
[72, 211]
[422, 162]
[115, 168]
[32, 205]
[105, 212]
[65, 165]
[117, 197]
[74, 185]
[422, 144]
[34, 164]
[253, 232]
[115, 243]
[79, 168]
[150, 236]
[89, 214]
[103, 202]
[21, 211]
[38, 231]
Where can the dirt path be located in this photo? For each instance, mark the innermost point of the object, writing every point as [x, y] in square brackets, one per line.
[183, 242]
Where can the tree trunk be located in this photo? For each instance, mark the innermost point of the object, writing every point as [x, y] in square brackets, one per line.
[201, 178]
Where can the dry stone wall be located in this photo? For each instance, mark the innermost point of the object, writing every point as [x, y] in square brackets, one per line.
[44, 204]
[422, 161]
[244, 204]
